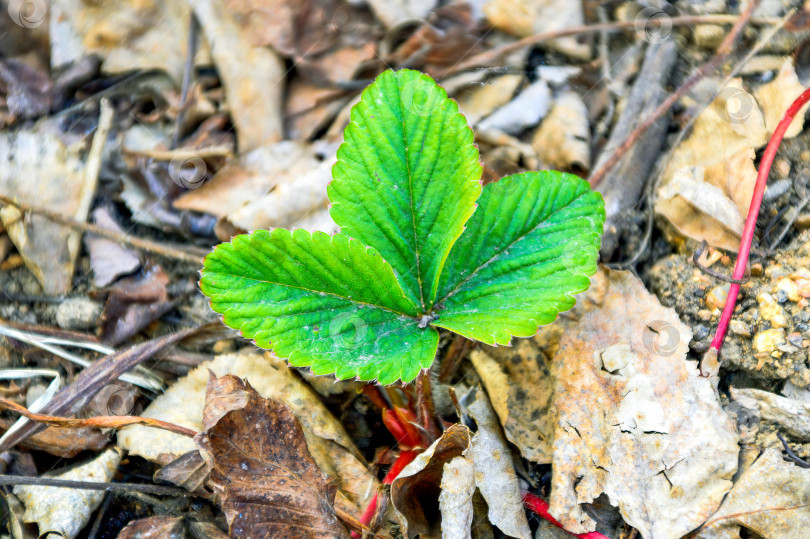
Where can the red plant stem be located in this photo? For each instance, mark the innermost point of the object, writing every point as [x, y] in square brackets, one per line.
[404, 458]
[753, 213]
[539, 506]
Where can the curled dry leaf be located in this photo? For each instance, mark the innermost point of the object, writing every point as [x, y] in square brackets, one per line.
[415, 493]
[495, 472]
[790, 414]
[771, 499]
[707, 185]
[65, 511]
[519, 382]
[154, 528]
[636, 421]
[64, 443]
[263, 474]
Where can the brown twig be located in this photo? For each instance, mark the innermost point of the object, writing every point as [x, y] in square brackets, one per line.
[492, 56]
[100, 422]
[156, 490]
[722, 53]
[136, 243]
[793, 457]
[425, 410]
[356, 526]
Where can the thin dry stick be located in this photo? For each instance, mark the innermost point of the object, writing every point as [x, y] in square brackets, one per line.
[156, 490]
[100, 422]
[491, 56]
[136, 243]
[722, 53]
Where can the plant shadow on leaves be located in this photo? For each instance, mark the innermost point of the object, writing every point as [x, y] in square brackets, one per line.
[422, 246]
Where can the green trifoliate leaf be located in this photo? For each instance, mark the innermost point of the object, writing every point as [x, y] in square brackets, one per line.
[327, 302]
[407, 178]
[532, 243]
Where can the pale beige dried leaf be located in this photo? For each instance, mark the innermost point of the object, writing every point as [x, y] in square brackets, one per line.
[517, 379]
[790, 414]
[278, 185]
[395, 12]
[563, 139]
[38, 168]
[456, 498]
[480, 101]
[128, 35]
[634, 420]
[776, 96]
[495, 472]
[65, 511]
[253, 76]
[771, 498]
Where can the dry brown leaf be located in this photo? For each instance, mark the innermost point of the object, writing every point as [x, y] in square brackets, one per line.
[129, 34]
[253, 76]
[563, 139]
[415, 492]
[709, 180]
[771, 498]
[109, 259]
[526, 17]
[263, 474]
[636, 421]
[64, 443]
[494, 470]
[38, 168]
[518, 382]
[279, 185]
[156, 527]
[182, 404]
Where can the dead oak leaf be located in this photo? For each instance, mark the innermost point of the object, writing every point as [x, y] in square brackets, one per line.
[267, 481]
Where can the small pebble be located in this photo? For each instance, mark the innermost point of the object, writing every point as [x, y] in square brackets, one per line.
[771, 310]
[704, 314]
[716, 299]
[700, 332]
[768, 341]
[795, 338]
[78, 313]
[788, 288]
[740, 328]
[224, 346]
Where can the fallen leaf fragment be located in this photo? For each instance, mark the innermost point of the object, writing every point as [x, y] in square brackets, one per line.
[455, 499]
[481, 101]
[108, 259]
[263, 474]
[415, 492]
[563, 139]
[790, 414]
[517, 379]
[183, 403]
[64, 443]
[634, 420]
[66, 511]
[495, 472]
[771, 499]
[154, 527]
[253, 76]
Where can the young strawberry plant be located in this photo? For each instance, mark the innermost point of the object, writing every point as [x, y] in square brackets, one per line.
[421, 246]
